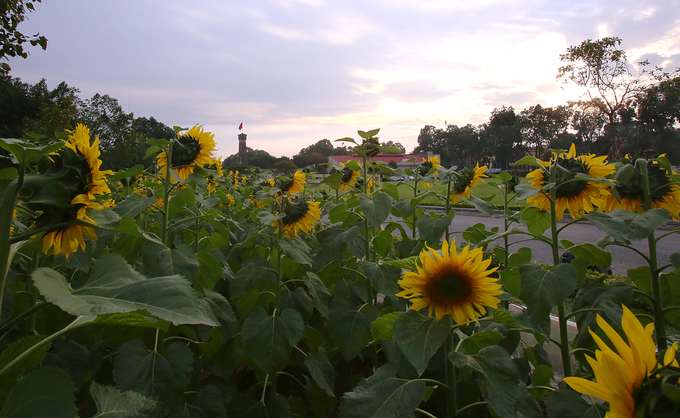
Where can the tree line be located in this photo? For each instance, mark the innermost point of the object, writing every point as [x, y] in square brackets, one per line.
[627, 109]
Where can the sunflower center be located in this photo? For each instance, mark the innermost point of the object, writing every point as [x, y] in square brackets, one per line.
[285, 183]
[659, 185]
[295, 212]
[463, 181]
[347, 175]
[565, 188]
[185, 151]
[424, 168]
[450, 287]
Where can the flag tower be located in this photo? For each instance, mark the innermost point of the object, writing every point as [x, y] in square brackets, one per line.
[242, 148]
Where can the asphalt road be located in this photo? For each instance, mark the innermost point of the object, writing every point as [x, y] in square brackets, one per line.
[582, 232]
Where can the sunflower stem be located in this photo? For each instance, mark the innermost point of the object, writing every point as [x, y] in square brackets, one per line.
[166, 194]
[9, 201]
[448, 205]
[564, 336]
[659, 321]
[450, 376]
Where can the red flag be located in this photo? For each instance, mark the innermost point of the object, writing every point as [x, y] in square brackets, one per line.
[240, 127]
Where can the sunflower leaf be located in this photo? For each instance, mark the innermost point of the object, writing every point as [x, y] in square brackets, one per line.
[566, 403]
[502, 388]
[114, 287]
[410, 263]
[270, 339]
[383, 395]
[528, 160]
[431, 229]
[349, 328]
[542, 289]
[321, 370]
[595, 255]
[112, 403]
[44, 393]
[525, 191]
[479, 204]
[151, 373]
[420, 337]
[538, 221]
[376, 210]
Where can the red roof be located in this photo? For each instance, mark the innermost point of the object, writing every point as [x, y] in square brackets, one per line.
[385, 158]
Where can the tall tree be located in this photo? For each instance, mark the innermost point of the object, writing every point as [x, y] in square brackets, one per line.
[504, 137]
[541, 125]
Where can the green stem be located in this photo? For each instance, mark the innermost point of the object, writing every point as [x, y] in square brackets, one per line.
[450, 377]
[564, 336]
[448, 206]
[415, 209]
[166, 195]
[472, 405]
[9, 201]
[25, 314]
[28, 352]
[659, 321]
[35, 263]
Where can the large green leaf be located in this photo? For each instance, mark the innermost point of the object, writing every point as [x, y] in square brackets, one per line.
[566, 403]
[595, 255]
[409, 263]
[384, 278]
[538, 221]
[163, 261]
[18, 347]
[114, 287]
[134, 205]
[420, 337]
[112, 403]
[321, 370]
[317, 290]
[626, 226]
[45, 393]
[270, 339]
[607, 299]
[670, 289]
[502, 388]
[376, 210]
[383, 395]
[542, 289]
[481, 339]
[210, 269]
[382, 327]
[349, 328]
[431, 229]
[150, 372]
[297, 250]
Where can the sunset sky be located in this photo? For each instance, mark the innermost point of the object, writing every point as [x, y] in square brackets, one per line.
[297, 71]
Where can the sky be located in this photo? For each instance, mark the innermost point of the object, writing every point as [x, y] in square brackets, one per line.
[298, 71]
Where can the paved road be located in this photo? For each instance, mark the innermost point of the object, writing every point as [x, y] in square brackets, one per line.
[623, 258]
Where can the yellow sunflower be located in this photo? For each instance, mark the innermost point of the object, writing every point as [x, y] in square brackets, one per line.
[456, 284]
[218, 166]
[576, 196]
[426, 166]
[211, 184]
[619, 375]
[469, 178]
[302, 217]
[663, 192]
[229, 202]
[93, 183]
[349, 179]
[191, 149]
[296, 184]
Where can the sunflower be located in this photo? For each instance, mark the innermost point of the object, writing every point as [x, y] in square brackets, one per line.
[619, 375]
[466, 180]
[300, 216]
[577, 196]
[191, 149]
[349, 178]
[425, 167]
[218, 166]
[294, 185]
[79, 162]
[229, 202]
[211, 184]
[664, 192]
[456, 284]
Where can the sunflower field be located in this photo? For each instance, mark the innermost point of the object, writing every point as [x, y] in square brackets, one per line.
[182, 290]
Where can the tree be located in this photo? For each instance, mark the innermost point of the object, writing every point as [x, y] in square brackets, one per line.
[541, 125]
[589, 123]
[504, 137]
[13, 13]
[256, 158]
[285, 165]
[394, 144]
[318, 153]
[151, 128]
